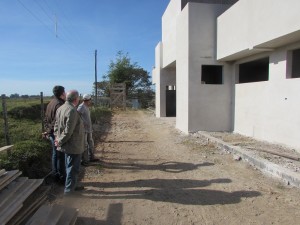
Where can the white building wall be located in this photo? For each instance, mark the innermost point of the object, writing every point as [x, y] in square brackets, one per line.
[169, 32]
[270, 110]
[161, 79]
[251, 30]
[182, 72]
[210, 107]
[164, 73]
[250, 26]
[156, 78]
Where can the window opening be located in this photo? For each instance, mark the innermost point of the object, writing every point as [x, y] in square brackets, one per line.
[295, 66]
[212, 74]
[254, 71]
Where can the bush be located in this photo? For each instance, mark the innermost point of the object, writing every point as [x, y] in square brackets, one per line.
[32, 157]
[22, 130]
[100, 115]
[31, 112]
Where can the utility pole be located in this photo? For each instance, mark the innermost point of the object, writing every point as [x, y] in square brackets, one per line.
[96, 88]
[56, 26]
[42, 111]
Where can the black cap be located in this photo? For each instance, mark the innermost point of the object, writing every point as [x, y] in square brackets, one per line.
[58, 90]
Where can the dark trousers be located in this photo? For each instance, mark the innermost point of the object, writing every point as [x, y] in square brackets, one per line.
[58, 161]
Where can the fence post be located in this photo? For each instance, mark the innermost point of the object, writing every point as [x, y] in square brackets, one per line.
[42, 112]
[6, 133]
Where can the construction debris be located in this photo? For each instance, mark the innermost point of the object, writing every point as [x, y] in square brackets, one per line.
[55, 214]
[20, 197]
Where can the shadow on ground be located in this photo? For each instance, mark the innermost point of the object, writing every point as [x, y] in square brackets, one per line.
[182, 191]
[172, 167]
[114, 216]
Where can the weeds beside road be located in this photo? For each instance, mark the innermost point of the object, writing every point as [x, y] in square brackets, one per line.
[31, 154]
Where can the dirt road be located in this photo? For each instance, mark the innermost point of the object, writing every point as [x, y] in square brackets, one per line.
[153, 174]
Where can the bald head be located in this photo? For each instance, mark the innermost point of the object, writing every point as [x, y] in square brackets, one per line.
[72, 96]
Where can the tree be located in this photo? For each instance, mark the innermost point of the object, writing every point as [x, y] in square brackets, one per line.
[103, 88]
[123, 71]
[24, 96]
[137, 80]
[15, 95]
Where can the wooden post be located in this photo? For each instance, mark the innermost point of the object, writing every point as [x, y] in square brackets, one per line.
[96, 83]
[6, 133]
[42, 111]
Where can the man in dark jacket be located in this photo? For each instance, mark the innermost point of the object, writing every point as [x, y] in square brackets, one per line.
[58, 158]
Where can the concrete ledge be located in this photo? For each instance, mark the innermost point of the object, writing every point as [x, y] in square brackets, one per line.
[284, 174]
[6, 148]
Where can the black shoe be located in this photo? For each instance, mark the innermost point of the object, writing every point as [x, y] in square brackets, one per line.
[71, 194]
[61, 182]
[84, 163]
[79, 188]
[94, 160]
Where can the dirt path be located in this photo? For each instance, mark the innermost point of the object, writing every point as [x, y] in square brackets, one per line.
[153, 174]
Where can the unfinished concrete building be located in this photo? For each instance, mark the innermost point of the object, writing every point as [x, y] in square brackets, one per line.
[231, 66]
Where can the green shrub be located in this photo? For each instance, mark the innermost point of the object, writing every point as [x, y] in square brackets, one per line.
[30, 153]
[32, 157]
[22, 130]
[31, 112]
[100, 114]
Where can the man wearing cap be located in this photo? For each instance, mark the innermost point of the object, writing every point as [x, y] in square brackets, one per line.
[83, 109]
[58, 158]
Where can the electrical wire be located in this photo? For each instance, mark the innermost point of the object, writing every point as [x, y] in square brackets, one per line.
[46, 13]
[63, 40]
[36, 17]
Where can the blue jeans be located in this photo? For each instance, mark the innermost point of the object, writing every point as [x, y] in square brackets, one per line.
[72, 171]
[58, 161]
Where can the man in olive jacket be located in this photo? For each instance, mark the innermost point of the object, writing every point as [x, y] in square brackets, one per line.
[69, 134]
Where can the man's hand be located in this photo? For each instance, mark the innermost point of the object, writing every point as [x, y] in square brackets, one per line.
[58, 147]
[45, 135]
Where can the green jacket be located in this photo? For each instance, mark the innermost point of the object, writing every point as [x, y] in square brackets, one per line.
[69, 129]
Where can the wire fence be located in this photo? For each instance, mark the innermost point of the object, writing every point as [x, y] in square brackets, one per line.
[18, 108]
[15, 109]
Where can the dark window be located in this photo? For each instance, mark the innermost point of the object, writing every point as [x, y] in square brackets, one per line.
[211, 74]
[254, 71]
[295, 64]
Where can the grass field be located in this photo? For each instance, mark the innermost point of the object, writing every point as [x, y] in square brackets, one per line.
[24, 119]
[31, 154]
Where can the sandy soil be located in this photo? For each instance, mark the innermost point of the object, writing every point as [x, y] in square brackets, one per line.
[151, 173]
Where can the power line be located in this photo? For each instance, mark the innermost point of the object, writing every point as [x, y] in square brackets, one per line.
[46, 13]
[73, 35]
[64, 41]
[38, 19]
[66, 34]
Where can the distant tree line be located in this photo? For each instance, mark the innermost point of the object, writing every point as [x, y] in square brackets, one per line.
[16, 95]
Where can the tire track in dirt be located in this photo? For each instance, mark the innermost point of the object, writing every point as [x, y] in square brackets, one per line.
[153, 174]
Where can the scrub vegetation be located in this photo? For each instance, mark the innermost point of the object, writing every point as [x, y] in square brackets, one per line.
[31, 154]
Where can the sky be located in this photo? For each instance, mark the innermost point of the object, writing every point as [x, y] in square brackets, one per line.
[44, 43]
